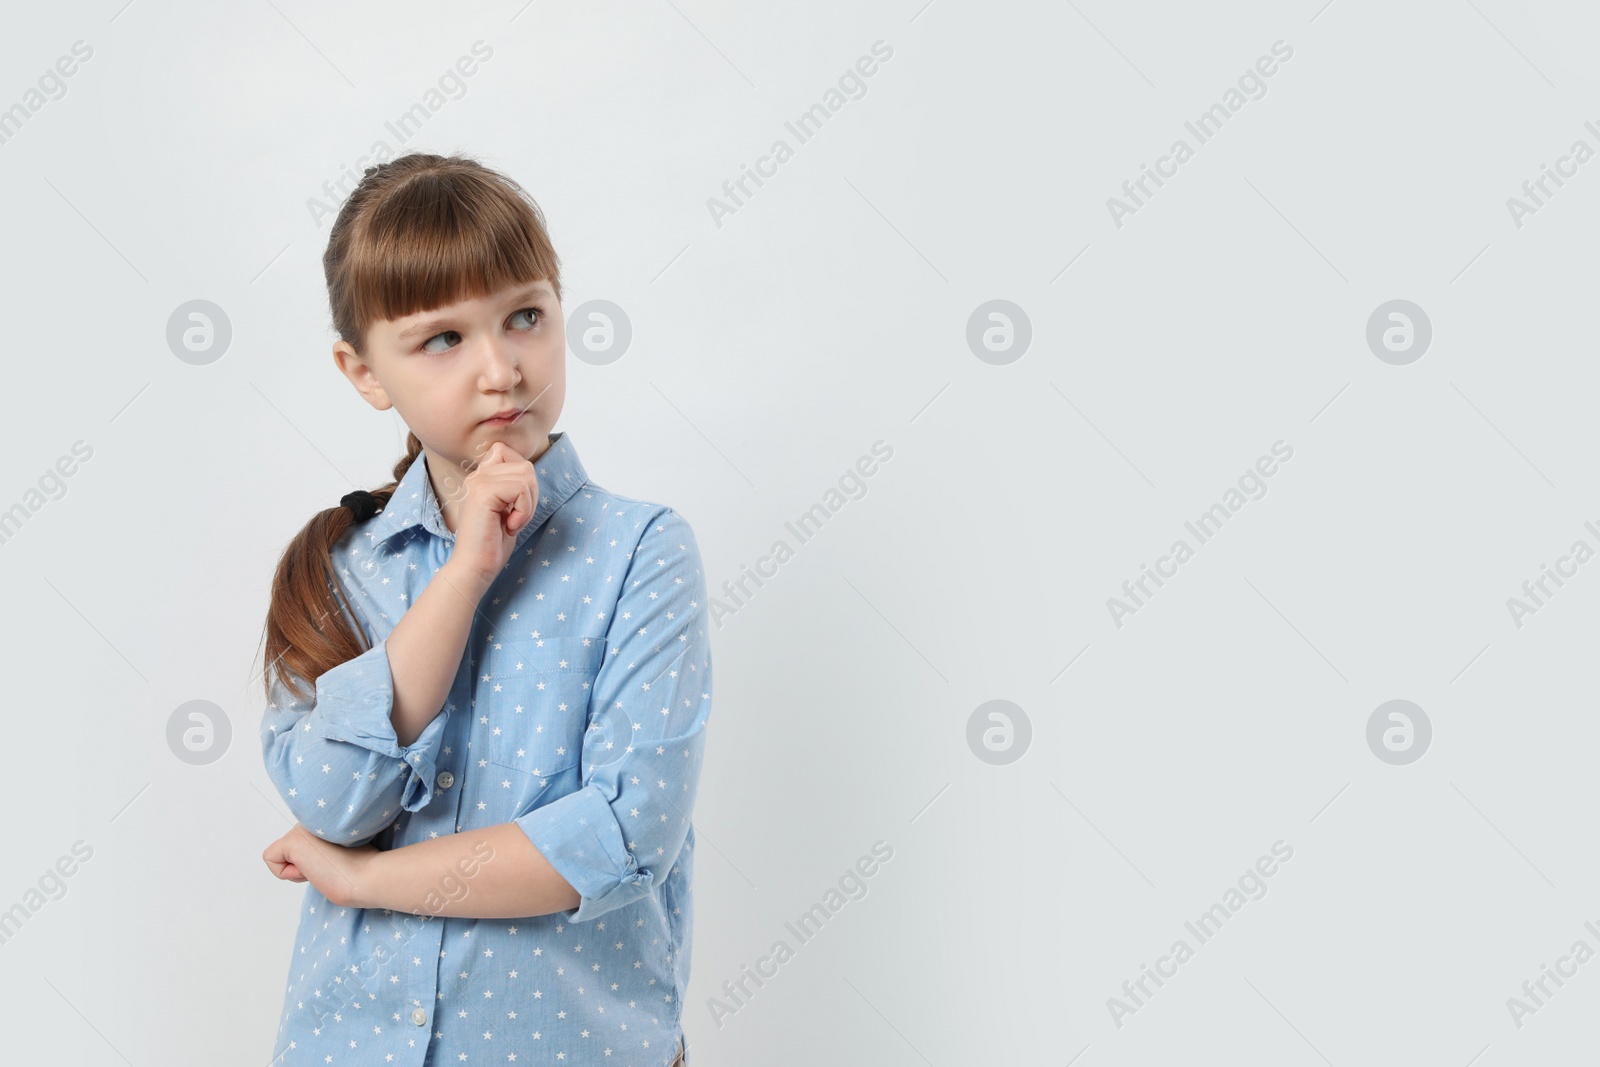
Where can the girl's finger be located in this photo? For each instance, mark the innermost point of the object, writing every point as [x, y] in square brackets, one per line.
[509, 515]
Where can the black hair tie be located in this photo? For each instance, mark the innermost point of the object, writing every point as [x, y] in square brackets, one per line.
[363, 503]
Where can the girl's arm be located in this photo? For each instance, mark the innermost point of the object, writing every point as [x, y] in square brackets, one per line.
[426, 647]
[492, 873]
[364, 749]
[608, 843]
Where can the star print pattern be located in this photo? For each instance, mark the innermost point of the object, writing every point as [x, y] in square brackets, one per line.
[579, 714]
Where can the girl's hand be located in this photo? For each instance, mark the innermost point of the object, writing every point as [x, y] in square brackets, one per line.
[340, 874]
[498, 499]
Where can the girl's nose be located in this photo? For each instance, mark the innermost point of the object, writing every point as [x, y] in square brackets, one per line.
[500, 364]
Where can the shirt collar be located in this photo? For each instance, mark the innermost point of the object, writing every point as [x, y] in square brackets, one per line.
[561, 474]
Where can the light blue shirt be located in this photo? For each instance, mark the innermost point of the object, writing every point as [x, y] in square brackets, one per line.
[579, 714]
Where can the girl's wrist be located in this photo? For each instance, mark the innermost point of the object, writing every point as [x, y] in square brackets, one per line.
[364, 879]
[464, 580]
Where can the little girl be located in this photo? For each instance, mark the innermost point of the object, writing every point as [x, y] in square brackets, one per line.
[488, 680]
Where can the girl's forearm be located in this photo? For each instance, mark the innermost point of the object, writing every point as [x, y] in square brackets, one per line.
[492, 873]
[425, 649]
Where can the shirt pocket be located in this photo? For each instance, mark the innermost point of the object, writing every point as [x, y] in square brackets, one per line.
[535, 706]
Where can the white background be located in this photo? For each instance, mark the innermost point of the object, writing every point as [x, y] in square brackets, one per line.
[769, 353]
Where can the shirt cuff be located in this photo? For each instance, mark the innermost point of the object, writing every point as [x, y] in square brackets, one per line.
[356, 700]
[578, 834]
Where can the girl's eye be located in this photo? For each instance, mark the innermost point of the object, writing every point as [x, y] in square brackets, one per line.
[438, 336]
[536, 313]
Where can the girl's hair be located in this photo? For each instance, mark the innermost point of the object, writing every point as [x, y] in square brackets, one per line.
[417, 233]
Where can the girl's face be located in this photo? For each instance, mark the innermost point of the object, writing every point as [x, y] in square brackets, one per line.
[448, 370]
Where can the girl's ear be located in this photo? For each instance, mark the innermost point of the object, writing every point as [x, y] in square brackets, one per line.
[361, 375]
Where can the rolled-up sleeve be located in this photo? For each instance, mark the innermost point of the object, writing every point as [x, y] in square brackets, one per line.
[618, 836]
[338, 763]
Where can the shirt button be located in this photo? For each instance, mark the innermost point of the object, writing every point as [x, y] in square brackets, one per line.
[446, 779]
[419, 1016]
